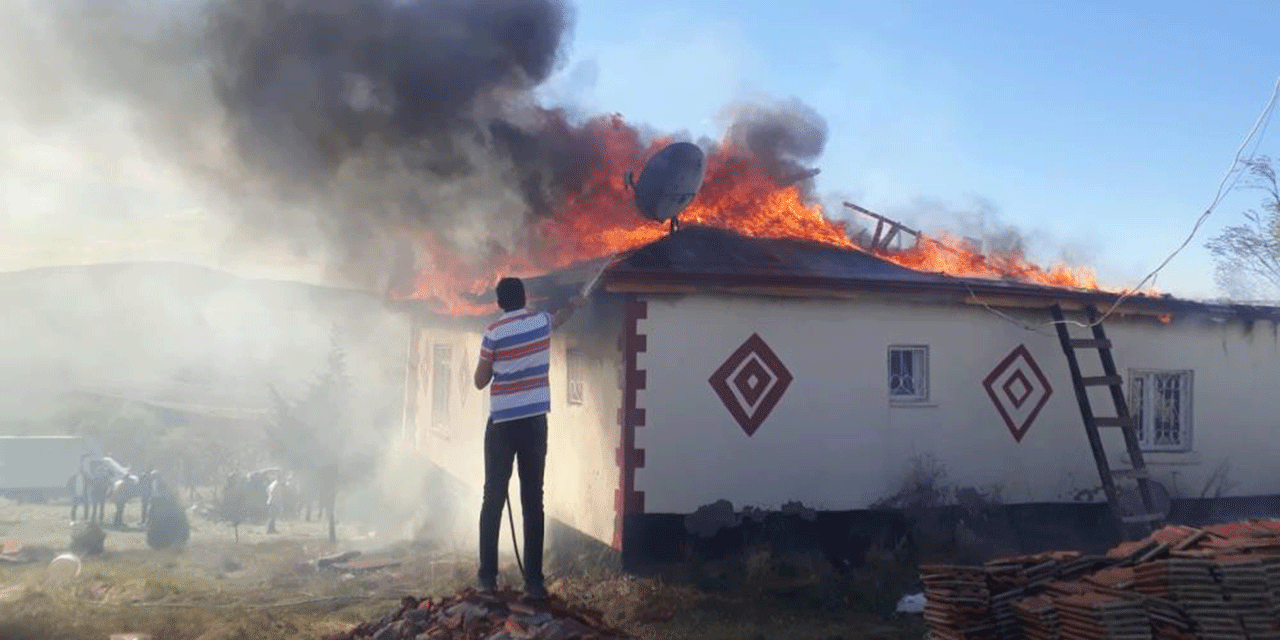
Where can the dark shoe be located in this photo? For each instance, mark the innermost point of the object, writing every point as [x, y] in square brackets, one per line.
[488, 585]
[535, 592]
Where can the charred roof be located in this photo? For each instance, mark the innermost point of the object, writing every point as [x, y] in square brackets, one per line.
[705, 250]
[695, 258]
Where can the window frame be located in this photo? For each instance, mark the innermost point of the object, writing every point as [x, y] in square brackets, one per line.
[441, 412]
[1146, 426]
[575, 387]
[922, 396]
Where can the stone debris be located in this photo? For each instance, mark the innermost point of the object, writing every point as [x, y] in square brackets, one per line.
[329, 561]
[12, 551]
[1220, 582]
[11, 592]
[470, 615]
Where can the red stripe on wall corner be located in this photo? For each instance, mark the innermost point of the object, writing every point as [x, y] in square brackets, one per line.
[629, 458]
[635, 504]
[636, 461]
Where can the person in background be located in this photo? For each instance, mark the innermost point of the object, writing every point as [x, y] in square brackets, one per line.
[147, 491]
[515, 357]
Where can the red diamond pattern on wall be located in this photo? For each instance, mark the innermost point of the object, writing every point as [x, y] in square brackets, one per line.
[751, 382]
[1019, 390]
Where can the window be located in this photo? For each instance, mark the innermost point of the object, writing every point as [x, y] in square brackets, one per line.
[573, 375]
[441, 383]
[908, 374]
[1160, 402]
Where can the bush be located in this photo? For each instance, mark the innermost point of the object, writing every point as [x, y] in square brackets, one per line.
[88, 540]
[167, 525]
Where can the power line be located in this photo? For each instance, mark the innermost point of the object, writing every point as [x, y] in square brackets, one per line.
[1225, 186]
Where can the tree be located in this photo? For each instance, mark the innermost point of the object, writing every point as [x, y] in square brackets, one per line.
[312, 436]
[128, 431]
[168, 525]
[1248, 254]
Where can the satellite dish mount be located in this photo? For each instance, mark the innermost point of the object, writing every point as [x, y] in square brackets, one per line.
[669, 182]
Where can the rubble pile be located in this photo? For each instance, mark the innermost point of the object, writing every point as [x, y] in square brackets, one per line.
[1220, 582]
[470, 615]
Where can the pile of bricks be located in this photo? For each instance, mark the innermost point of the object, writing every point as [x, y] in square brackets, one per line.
[474, 616]
[1220, 582]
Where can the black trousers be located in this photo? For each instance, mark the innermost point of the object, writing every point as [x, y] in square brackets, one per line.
[524, 441]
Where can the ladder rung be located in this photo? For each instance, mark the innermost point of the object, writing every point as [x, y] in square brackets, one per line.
[1114, 422]
[1131, 473]
[1146, 517]
[1091, 343]
[1101, 381]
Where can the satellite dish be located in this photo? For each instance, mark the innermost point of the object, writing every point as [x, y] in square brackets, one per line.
[669, 182]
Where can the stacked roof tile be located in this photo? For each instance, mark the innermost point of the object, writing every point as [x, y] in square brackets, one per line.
[1220, 582]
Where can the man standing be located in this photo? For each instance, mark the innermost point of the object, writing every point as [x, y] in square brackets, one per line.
[515, 356]
[146, 491]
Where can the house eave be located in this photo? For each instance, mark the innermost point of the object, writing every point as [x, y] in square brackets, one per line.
[967, 291]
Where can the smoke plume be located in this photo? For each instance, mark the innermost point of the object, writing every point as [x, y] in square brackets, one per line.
[338, 130]
[351, 123]
[979, 223]
[784, 138]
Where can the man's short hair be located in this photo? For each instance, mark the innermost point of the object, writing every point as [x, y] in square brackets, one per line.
[511, 294]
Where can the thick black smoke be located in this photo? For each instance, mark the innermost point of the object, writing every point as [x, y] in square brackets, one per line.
[786, 137]
[445, 83]
[317, 79]
[361, 119]
[404, 113]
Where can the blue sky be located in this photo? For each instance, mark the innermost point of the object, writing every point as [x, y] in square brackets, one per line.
[1099, 129]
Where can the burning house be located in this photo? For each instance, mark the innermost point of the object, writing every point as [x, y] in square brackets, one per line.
[712, 365]
[756, 354]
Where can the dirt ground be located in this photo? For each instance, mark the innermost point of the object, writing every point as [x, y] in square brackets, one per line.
[267, 586]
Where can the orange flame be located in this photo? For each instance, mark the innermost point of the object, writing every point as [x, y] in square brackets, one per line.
[944, 254]
[600, 219]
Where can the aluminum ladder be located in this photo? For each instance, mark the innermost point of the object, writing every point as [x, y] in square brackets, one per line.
[1128, 526]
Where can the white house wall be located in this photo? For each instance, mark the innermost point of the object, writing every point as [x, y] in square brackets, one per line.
[835, 441]
[582, 471]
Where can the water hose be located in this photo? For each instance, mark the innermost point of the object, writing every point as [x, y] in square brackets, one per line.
[511, 519]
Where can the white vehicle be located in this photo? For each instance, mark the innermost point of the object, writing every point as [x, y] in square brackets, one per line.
[37, 468]
[116, 469]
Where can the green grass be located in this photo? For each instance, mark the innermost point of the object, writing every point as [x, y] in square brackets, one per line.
[175, 597]
[228, 592]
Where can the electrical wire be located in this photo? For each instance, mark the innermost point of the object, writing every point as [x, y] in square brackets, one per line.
[1225, 186]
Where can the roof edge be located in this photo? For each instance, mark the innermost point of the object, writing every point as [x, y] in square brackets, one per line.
[972, 292]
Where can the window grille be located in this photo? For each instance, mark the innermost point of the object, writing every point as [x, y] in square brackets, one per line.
[441, 384]
[573, 375]
[1160, 402]
[909, 374]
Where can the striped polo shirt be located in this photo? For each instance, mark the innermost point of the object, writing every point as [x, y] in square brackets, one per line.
[519, 346]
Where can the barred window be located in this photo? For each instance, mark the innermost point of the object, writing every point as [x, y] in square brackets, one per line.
[573, 375]
[908, 373]
[441, 384]
[1160, 402]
